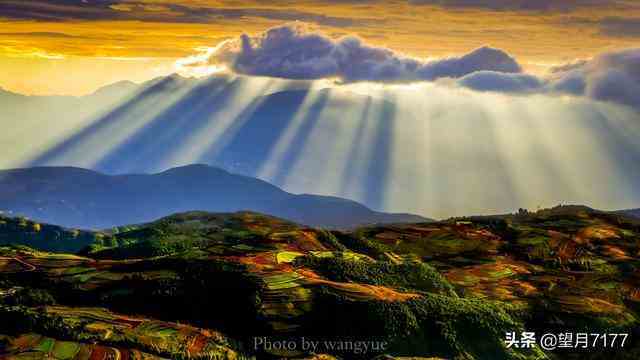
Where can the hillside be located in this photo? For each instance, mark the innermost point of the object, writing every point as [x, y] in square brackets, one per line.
[81, 198]
[630, 212]
[22, 231]
[194, 231]
[214, 281]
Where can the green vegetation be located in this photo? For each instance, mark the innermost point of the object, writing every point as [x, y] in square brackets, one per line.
[359, 241]
[91, 325]
[200, 285]
[434, 324]
[328, 238]
[145, 248]
[194, 230]
[407, 275]
[22, 231]
[28, 297]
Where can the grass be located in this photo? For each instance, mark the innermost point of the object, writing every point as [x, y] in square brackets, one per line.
[64, 350]
[283, 281]
[287, 256]
[46, 345]
[533, 241]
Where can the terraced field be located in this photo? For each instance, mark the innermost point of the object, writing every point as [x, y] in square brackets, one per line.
[34, 346]
[449, 289]
[127, 335]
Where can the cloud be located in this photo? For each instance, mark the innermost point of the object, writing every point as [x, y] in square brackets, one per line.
[520, 5]
[42, 34]
[620, 26]
[500, 82]
[294, 51]
[563, 68]
[613, 76]
[59, 10]
[207, 14]
[610, 26]
[73, 10]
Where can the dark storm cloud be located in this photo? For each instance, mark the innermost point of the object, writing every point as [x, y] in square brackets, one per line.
[520, 5]
[295, 52]
[70, 10]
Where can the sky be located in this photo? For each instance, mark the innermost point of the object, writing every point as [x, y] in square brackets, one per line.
[73, 47]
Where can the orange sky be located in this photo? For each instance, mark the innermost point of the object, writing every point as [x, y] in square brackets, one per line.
[74, 47]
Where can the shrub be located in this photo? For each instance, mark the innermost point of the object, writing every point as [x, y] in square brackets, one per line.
[327, 238]
[431, 325]
[359, 242]
[407, 275]
[30, 297]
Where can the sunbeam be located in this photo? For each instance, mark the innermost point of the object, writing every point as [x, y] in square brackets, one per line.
[88, 146]
[240, 97]
[50, 120]
[431, 149]
[269, 169]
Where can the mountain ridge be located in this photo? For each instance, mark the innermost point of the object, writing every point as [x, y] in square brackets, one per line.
[629, 212]
[80, 198]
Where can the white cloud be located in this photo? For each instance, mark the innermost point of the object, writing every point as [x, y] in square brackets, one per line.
[294, 51]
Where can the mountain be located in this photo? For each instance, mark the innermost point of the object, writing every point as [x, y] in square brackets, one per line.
[630, 212]
[81, 198]
[236, 123]
[199, 285]
[389, 149]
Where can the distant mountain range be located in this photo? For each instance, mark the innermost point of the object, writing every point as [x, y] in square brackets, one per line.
[384, 150]
[630, 212]
[222, 121]
[80, 198]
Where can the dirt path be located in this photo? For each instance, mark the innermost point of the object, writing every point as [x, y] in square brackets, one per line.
[28, 266]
